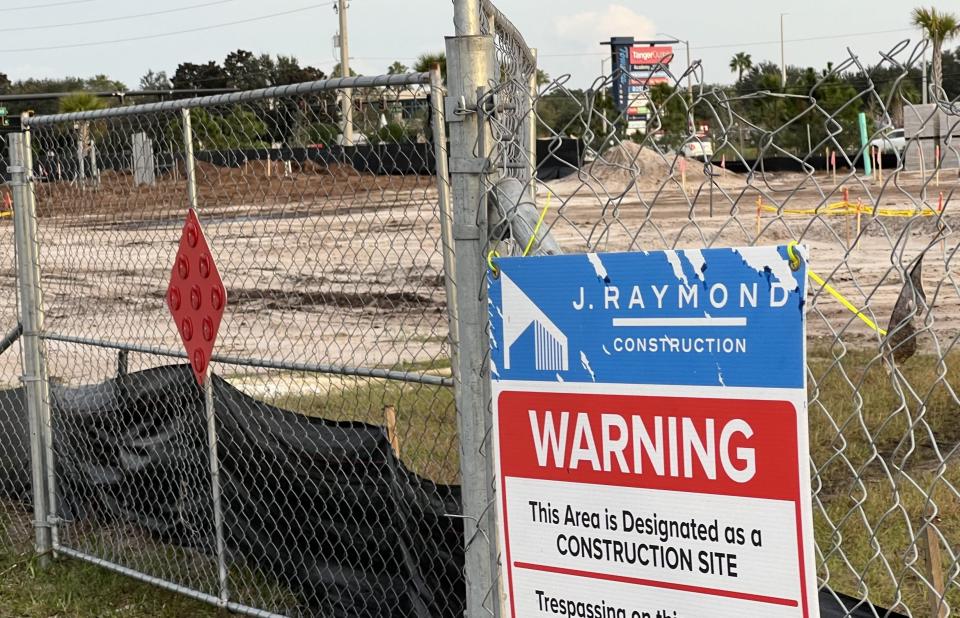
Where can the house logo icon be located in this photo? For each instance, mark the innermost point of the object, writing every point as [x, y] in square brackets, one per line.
[519, 313]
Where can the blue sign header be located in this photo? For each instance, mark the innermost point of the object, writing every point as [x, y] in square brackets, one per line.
[707, 317]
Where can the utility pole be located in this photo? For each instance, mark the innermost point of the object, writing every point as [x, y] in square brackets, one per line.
[783, 62]
[346, 96]
[689, 76]
[924, 68]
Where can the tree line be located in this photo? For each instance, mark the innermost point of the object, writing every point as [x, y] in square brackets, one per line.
[314, 119]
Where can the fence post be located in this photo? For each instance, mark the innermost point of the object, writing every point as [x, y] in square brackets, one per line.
[208, 405]
[440, 152]
[470, 68]
[530, 126]
[36, 387]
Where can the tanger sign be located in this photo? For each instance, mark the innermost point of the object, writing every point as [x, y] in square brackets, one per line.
[651, 435]
[652, 54]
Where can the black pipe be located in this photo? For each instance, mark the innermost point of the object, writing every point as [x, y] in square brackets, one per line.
[11, 337]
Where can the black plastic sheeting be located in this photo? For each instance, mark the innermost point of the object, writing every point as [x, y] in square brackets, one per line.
[323, 507]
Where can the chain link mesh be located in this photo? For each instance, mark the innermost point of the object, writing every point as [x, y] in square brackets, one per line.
[882, 404]
[15, 516]
[336, 441]
[332, 487]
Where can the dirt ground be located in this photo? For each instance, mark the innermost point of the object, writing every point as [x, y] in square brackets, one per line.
[865, 267]
[328, 266]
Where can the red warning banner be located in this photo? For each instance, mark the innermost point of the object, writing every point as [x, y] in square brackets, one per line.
[715, 446]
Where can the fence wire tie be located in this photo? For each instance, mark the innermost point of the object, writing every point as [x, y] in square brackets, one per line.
[796, 259]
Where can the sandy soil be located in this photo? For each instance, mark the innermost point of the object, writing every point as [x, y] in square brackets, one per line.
[345, 269]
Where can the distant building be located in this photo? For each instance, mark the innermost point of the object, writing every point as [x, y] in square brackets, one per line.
[920, 133]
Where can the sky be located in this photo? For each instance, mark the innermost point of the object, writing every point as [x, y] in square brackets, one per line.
[566, 33]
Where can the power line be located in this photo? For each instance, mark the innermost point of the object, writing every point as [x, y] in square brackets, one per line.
[119, 18]
[27, 7]
[166, 34]
[748, 44]
[805, 39]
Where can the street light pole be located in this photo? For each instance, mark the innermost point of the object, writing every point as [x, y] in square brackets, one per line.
[783, 62]
[689, 76]
[347, 93]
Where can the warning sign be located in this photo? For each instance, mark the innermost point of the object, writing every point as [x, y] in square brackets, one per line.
[651, 435]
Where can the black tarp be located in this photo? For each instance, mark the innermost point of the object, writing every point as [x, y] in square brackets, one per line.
[322, 507]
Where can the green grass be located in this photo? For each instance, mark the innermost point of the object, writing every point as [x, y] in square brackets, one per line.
[426, 416]
[73, 588]
[866, 427]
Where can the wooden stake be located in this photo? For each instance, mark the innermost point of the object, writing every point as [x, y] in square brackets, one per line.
[943, 240]
[833, 164]
[879, 165]
[390, 418]
[859, 210]
[931, 554]
[936, 149]
[847, 221]
[683, 174]
[759, 206]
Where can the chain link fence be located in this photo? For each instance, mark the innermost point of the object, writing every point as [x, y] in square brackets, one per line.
[15, 519]
[757, 170]
[315, 471]
[328, 466]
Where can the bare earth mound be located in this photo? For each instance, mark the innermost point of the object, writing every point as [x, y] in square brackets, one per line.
[630, 167]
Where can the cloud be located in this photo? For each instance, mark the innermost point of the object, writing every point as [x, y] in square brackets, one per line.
[37, 71]
[591, 27]
[576, 48]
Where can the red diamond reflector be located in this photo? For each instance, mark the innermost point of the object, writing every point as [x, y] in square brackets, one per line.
[196, 296]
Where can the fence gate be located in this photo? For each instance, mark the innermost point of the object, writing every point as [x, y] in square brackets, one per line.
[314, 471]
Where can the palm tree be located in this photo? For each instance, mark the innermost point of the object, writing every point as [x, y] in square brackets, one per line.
[425, 62]
[82, 102]
[740, 63]
[397, 68]
[938, 27]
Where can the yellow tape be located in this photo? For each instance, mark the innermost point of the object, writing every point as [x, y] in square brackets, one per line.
[795, 264]
[493, 253]
[847, 208]
[843, 301]
[536, 228]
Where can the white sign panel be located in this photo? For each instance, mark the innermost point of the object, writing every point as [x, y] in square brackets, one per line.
[651, 435]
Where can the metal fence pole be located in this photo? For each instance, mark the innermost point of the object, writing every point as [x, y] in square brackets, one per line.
[209, 408]
[188, 160]
[530, 125]
[470, 67]
[439, 125]
[34, 377]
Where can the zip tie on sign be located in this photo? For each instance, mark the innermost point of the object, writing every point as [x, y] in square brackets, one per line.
[795, 264]
[493, 267]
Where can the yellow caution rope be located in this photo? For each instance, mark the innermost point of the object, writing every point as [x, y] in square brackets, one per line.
[795, 260]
